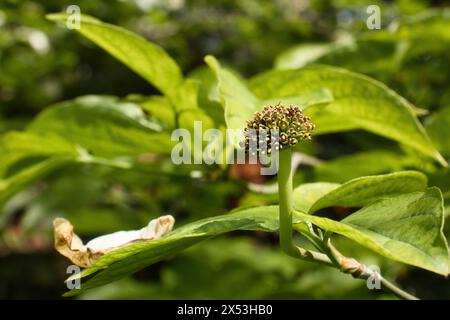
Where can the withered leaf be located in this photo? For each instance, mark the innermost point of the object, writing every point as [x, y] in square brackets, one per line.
[70, 245]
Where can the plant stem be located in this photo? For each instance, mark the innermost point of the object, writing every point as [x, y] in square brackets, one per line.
[285, 201]
[285, 213]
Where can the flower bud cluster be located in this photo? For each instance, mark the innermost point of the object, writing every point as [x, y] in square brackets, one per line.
[276, 128]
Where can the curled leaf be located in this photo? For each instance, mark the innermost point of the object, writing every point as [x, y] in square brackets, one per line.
[71, 246]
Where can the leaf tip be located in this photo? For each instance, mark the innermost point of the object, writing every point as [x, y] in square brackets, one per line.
[211, 61]
[56, 17]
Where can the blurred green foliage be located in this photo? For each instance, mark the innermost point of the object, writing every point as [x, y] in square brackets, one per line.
[41, 64]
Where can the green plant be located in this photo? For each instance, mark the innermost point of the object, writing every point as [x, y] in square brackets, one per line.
[398, 217]
[290, 125]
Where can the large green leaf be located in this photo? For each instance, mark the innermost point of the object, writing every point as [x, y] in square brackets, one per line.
[103, 126]
[317, 97]
[130, 259]
[305, 53]
[19, 149]
[437, 125]
[240, 104]
[359, 102]
[358, 192]
[160, 108]
[406, 228]
[360, 164]
[143, 57]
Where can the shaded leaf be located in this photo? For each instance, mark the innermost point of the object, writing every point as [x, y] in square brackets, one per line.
[303, 54]
[13, 184]
[357, 192]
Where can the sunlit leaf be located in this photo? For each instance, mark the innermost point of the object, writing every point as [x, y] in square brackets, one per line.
[438, 125]
[26, 176]
[239, 103]
[364, 163]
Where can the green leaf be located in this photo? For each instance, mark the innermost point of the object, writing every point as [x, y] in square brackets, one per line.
[187, 108]
[240, 104]
[359, 102]
[432, 25]
[18, 149]
[103, 126]
[130, 259]
[303, 54]
[307, 194]
[91, 129]
[160, 108]
[406, 228]
[380, 52]
[317, 97]
[187, 118]
[27, 175]
[208, 95]
[143, 57]
[186, 96]
[361, 164]
[437, 125]
[358, 192]
[27, 157]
